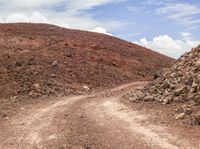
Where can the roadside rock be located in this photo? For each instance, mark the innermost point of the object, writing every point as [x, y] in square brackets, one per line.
[178, 84]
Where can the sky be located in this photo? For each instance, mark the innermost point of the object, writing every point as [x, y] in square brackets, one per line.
[171, 27]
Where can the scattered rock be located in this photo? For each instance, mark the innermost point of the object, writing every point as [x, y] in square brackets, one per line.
[185, 109]
[80, 115]
[197, 63]
[53, 75]
[179, 91]
[180, 116]
[22, 123]
[166, 101]
[36, 85]
[55, 63]
[196, 118]
[148, 98]
[86, 88]
[133, 99]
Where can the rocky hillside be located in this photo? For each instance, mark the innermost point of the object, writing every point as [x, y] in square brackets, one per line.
[38, 60]
[177, 84]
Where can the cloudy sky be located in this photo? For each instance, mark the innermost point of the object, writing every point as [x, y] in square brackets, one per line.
[171, 27]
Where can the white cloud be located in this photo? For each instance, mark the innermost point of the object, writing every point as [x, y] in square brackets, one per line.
[167, 45]
[88, 4]
[69, 21]
[183, 13]
[155, 2]
[186, 35]
[29, 3]
[70, 13]
[36, 17]
[132, 9]
[181, 9]
[100, 30]
[70, 4]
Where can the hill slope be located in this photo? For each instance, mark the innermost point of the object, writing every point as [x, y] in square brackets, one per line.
[39, 60]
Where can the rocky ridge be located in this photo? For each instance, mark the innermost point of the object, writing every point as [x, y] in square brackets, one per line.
[178, 84]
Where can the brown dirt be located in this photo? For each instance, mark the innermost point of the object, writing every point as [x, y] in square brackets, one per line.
[100, 120]
[41, 61]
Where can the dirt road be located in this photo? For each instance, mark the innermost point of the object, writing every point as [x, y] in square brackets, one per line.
[97, 121]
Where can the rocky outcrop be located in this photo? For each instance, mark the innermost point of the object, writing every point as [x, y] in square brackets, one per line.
[178, 84]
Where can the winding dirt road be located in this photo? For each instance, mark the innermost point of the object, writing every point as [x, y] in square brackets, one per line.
[97, 121]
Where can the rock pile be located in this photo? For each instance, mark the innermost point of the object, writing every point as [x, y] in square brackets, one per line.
[178, 84]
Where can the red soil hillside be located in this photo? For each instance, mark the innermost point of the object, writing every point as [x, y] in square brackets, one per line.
[38, 60]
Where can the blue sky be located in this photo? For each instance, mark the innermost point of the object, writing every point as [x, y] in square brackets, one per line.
[171, 27]
[144, 20]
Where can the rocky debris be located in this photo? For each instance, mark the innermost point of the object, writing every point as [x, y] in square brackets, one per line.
[178, 84]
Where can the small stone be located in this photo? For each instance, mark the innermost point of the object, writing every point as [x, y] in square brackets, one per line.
[194, 85]
[179, 91]
[197, 117]
[193, 90]
[184, 109]
[197, 63]
[86, 88]
[79, 92]
[55, 63]
[133, 99]
[180, 116]
[81, 116]
[166, 101]
[148, 98]
[173, 75]
[188, 110]
[140, 95]
[15, 97]
[36, 85]
[53, 75]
